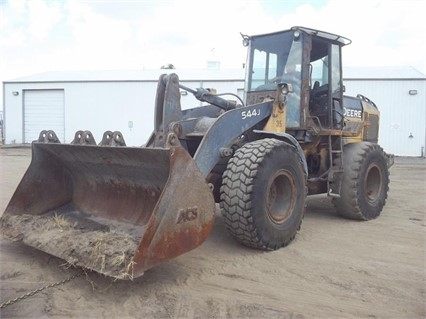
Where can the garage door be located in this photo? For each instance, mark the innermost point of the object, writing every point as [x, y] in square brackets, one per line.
[43, 110]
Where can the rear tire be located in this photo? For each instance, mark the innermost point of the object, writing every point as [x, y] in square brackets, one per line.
[365, 182]
[263, 194]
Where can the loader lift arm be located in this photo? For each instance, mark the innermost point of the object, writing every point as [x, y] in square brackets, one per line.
[217, 133]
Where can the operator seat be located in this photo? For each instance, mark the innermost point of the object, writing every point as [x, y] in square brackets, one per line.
[314, 91]
[318, 105]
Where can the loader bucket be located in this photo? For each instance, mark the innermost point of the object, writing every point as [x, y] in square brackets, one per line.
[115, 210]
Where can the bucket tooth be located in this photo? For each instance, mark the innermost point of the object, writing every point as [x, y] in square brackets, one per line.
[83, 138]
[110, 138]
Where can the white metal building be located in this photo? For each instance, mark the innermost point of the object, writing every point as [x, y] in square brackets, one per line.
[400, 95]
[98, 101]
[124, 101]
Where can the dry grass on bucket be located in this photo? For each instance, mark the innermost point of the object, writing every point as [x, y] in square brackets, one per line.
[61, 222]
[110, 257]
[97, 257]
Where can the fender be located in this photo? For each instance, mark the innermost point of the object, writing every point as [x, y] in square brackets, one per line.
[289, 139]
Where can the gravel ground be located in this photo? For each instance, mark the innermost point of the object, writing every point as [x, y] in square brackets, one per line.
[335, 268]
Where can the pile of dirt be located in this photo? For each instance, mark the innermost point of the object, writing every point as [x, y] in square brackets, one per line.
[106, 250]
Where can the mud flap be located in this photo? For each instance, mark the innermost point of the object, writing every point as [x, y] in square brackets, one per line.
[116, 210]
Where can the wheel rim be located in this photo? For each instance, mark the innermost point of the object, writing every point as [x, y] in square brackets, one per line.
[281, 197]
[373, 183]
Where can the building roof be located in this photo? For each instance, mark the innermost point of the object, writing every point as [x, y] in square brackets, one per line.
[133, 75]
[349, 73]
[382, 72]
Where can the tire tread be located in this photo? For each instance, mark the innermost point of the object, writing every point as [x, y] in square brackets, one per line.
[348, 205]
[237, 188]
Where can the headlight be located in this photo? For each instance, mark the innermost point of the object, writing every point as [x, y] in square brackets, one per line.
[296, 35]
[286, 88]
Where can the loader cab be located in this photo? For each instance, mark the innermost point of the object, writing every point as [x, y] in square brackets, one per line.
[309, 60]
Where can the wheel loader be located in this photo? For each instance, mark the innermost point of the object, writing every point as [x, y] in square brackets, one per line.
[121, 210]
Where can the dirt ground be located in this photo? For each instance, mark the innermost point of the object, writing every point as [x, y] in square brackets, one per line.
[335, 268]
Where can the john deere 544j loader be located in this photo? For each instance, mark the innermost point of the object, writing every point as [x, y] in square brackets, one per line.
[120, 210]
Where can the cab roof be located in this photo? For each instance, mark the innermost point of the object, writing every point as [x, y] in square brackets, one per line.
[325, 35]
[313, 32]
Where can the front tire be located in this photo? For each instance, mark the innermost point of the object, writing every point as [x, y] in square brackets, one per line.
[365, 182]
[263, 194]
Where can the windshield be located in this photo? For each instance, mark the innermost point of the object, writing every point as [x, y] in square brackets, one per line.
[277, 58]
[268, 55]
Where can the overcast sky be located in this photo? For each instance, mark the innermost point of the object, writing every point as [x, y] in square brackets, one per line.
[47, 35]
